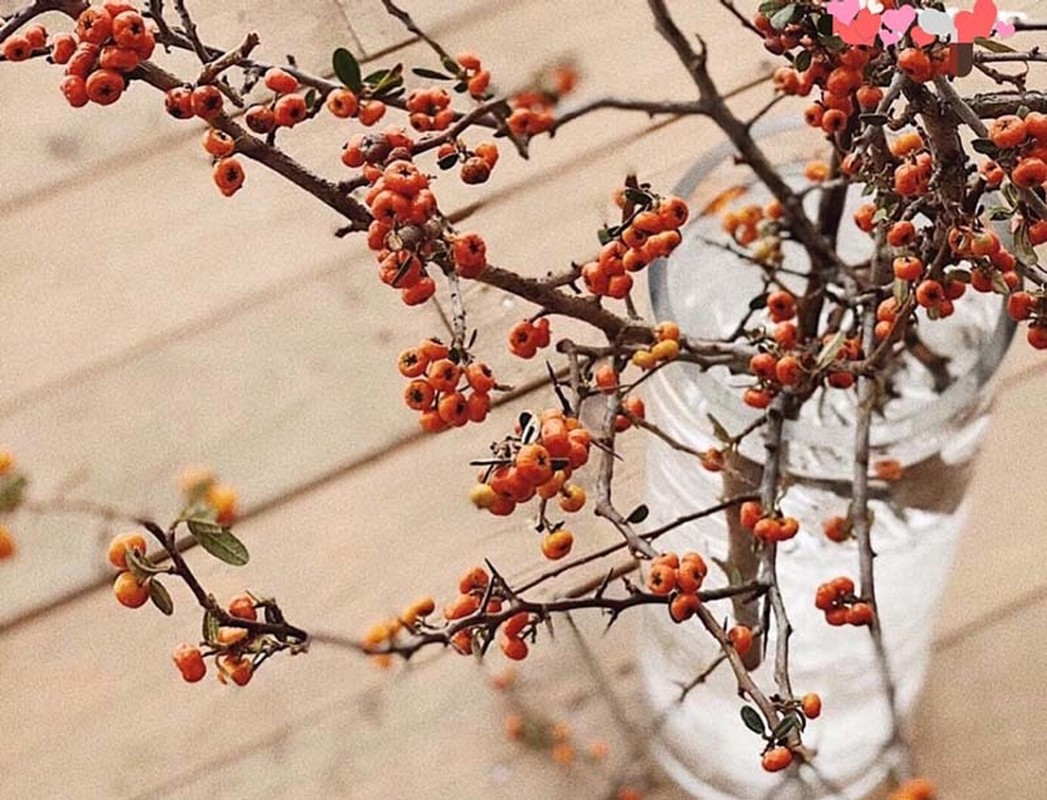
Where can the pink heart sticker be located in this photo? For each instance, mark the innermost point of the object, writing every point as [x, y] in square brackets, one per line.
[920, 37]
[1004, 29]
[976, 23]
[860, 32]
[843, 11]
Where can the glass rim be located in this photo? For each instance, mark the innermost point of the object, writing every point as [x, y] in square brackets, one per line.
[726, 403]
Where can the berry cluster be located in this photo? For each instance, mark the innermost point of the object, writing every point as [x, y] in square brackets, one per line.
[652, 231]
[527, 337]
[231, 647]
[430, 109]
[752, 222]
[477, 163]
[408, 232]
[471, 72]
[445, 393]
[681, 577]
[767, 527]
[841, 75]
[836, 598]
[666, 347]
[110, 41]
[206, 498]
[538, 460]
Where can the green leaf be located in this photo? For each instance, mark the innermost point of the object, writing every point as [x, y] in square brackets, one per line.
[430, 73]
[530, 427]
[139, 566]
[824, 25]
[753, 721]
[900, 290]
[448, 161]
[830, 350]
[997, 213]
[758, 302]
[451, 65]
[390, 80]
[639, 514]
[160, 597]
[802, 61]
[999, 285]
[985, 147]
[11, 492]
[1023, 247]
[347, 68]
[219, 542]
[604, 235]
[770, 6]
[961, 275]
[639, 198]
[210, 627]
[310, 98]
[783, 17]
[993, 45]
[719, 431]
[784, 726]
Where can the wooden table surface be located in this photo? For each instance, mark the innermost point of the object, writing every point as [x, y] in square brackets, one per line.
[148, 324]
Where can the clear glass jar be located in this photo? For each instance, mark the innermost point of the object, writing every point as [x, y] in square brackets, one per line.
[933, 431]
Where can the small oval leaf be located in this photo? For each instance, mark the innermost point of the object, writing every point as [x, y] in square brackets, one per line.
[347, 68]
[210, 627]
[752, 719]
[639, 514]
[219, 542]
[160, 597]
[430, 73]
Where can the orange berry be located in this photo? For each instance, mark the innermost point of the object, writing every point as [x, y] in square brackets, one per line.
[837, 529]
[907, 268]
[289, 110]
[514, 648]
[7, 543]
[235, 668]
[573, 498]
[777, 759]
[683, 607]
[558, 544]
[342, 103]
[916, 64]
[104, 86]
[370, 111]
[242, 607]
[128, 591]
[906, 143]
[606, 377]
[280, 81]
[190, 662]
[741, 637]
[757, 398]
[94, 25]
[222, 498]
[750, 513]
[901, 234]
[661, 579]
[206, 101]
[117, 552]
[218, 143]
[812, 705]
[1029, 172]
[860, 614]
[260, 119]
[1007, 131]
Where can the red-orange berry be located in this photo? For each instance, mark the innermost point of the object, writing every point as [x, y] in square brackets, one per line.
[741, 637]
[228, 175]
[1007, 131]
[206, 102]
[812, 705]
[777, 759]
[129, 592]
[280, 81]
[118, 547]
[190, 662]
[558, 544]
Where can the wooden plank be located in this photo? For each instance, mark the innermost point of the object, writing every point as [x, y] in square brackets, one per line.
[991, 678]
[336, 542]
[272, 397]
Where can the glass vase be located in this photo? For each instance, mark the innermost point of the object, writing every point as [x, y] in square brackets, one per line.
[933, 427]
